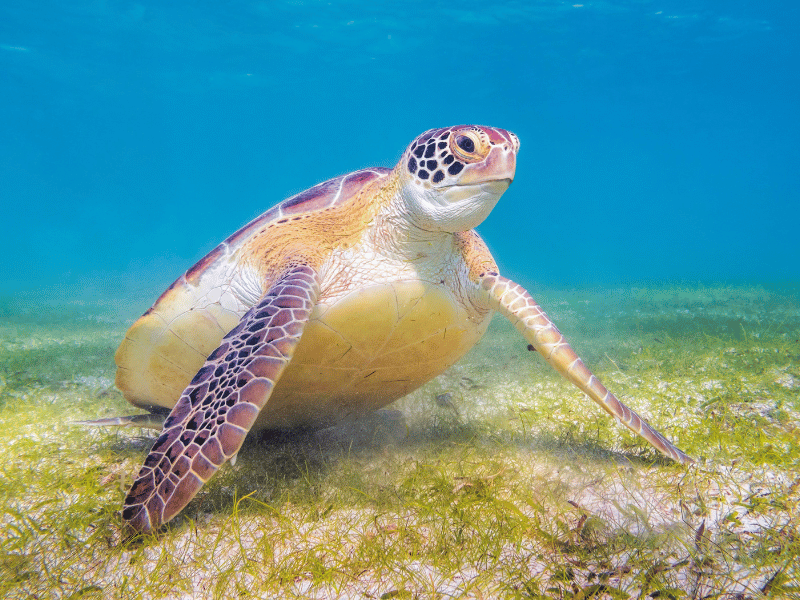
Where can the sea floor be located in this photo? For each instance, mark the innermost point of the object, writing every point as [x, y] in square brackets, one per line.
[496, 480]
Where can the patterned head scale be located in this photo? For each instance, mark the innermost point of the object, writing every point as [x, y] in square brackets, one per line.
[461, 155]
[453, 177]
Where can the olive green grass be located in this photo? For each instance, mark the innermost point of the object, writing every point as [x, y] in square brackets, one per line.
[510, 485]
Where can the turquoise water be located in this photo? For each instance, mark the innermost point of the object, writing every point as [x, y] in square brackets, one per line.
[654, 216]
[659, 139]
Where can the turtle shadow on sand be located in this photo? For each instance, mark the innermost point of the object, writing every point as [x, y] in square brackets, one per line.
[271, 462]
[270, 459]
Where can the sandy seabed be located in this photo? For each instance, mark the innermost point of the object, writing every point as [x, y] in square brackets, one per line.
[497, 479]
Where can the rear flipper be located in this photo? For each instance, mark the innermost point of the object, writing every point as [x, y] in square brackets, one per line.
[217, 409]
[516, 304]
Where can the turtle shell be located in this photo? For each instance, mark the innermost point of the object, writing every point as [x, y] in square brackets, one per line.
[328, 194]
[164, 348]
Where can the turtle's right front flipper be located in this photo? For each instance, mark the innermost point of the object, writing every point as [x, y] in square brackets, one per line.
[217, 409]
[517, 305]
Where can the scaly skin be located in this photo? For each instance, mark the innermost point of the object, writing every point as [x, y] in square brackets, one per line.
[517, 305]
[210, 421]
[338, 300]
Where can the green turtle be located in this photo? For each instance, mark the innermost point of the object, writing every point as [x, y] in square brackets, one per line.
[333, 303]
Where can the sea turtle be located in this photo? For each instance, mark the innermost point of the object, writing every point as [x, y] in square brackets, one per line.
[335, 302]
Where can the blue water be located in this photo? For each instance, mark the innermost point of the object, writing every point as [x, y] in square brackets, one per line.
[659, 138]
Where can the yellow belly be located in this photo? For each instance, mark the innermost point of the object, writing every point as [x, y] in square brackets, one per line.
[368, 349]
[357, 353]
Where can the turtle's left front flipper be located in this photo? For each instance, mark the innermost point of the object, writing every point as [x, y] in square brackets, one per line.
[516, 304]
[217, 409]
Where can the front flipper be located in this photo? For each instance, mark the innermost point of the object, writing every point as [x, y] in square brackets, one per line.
[210, 421]
[516, 304]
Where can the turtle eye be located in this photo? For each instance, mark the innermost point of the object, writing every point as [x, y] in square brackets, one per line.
[465, 143]
[467, 146]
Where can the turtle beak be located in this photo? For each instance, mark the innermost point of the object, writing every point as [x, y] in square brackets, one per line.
[500, 165]
[489, 191]
[496, 186]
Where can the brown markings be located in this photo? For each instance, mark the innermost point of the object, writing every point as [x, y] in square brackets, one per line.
[428, 135]
[278, 247]
[193, 275]
[315, 198]
[179, 282]
[256, 390]
[258, 367]
[311, 204]
[203, 467]
[475, 254]
[496, 135]
[208, 427]
[184, 492]
[230, 438]
[235, 239]
[354, 182]
[242, 415]
[213, 451]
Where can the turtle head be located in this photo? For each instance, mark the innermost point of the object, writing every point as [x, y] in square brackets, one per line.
[451, 178]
